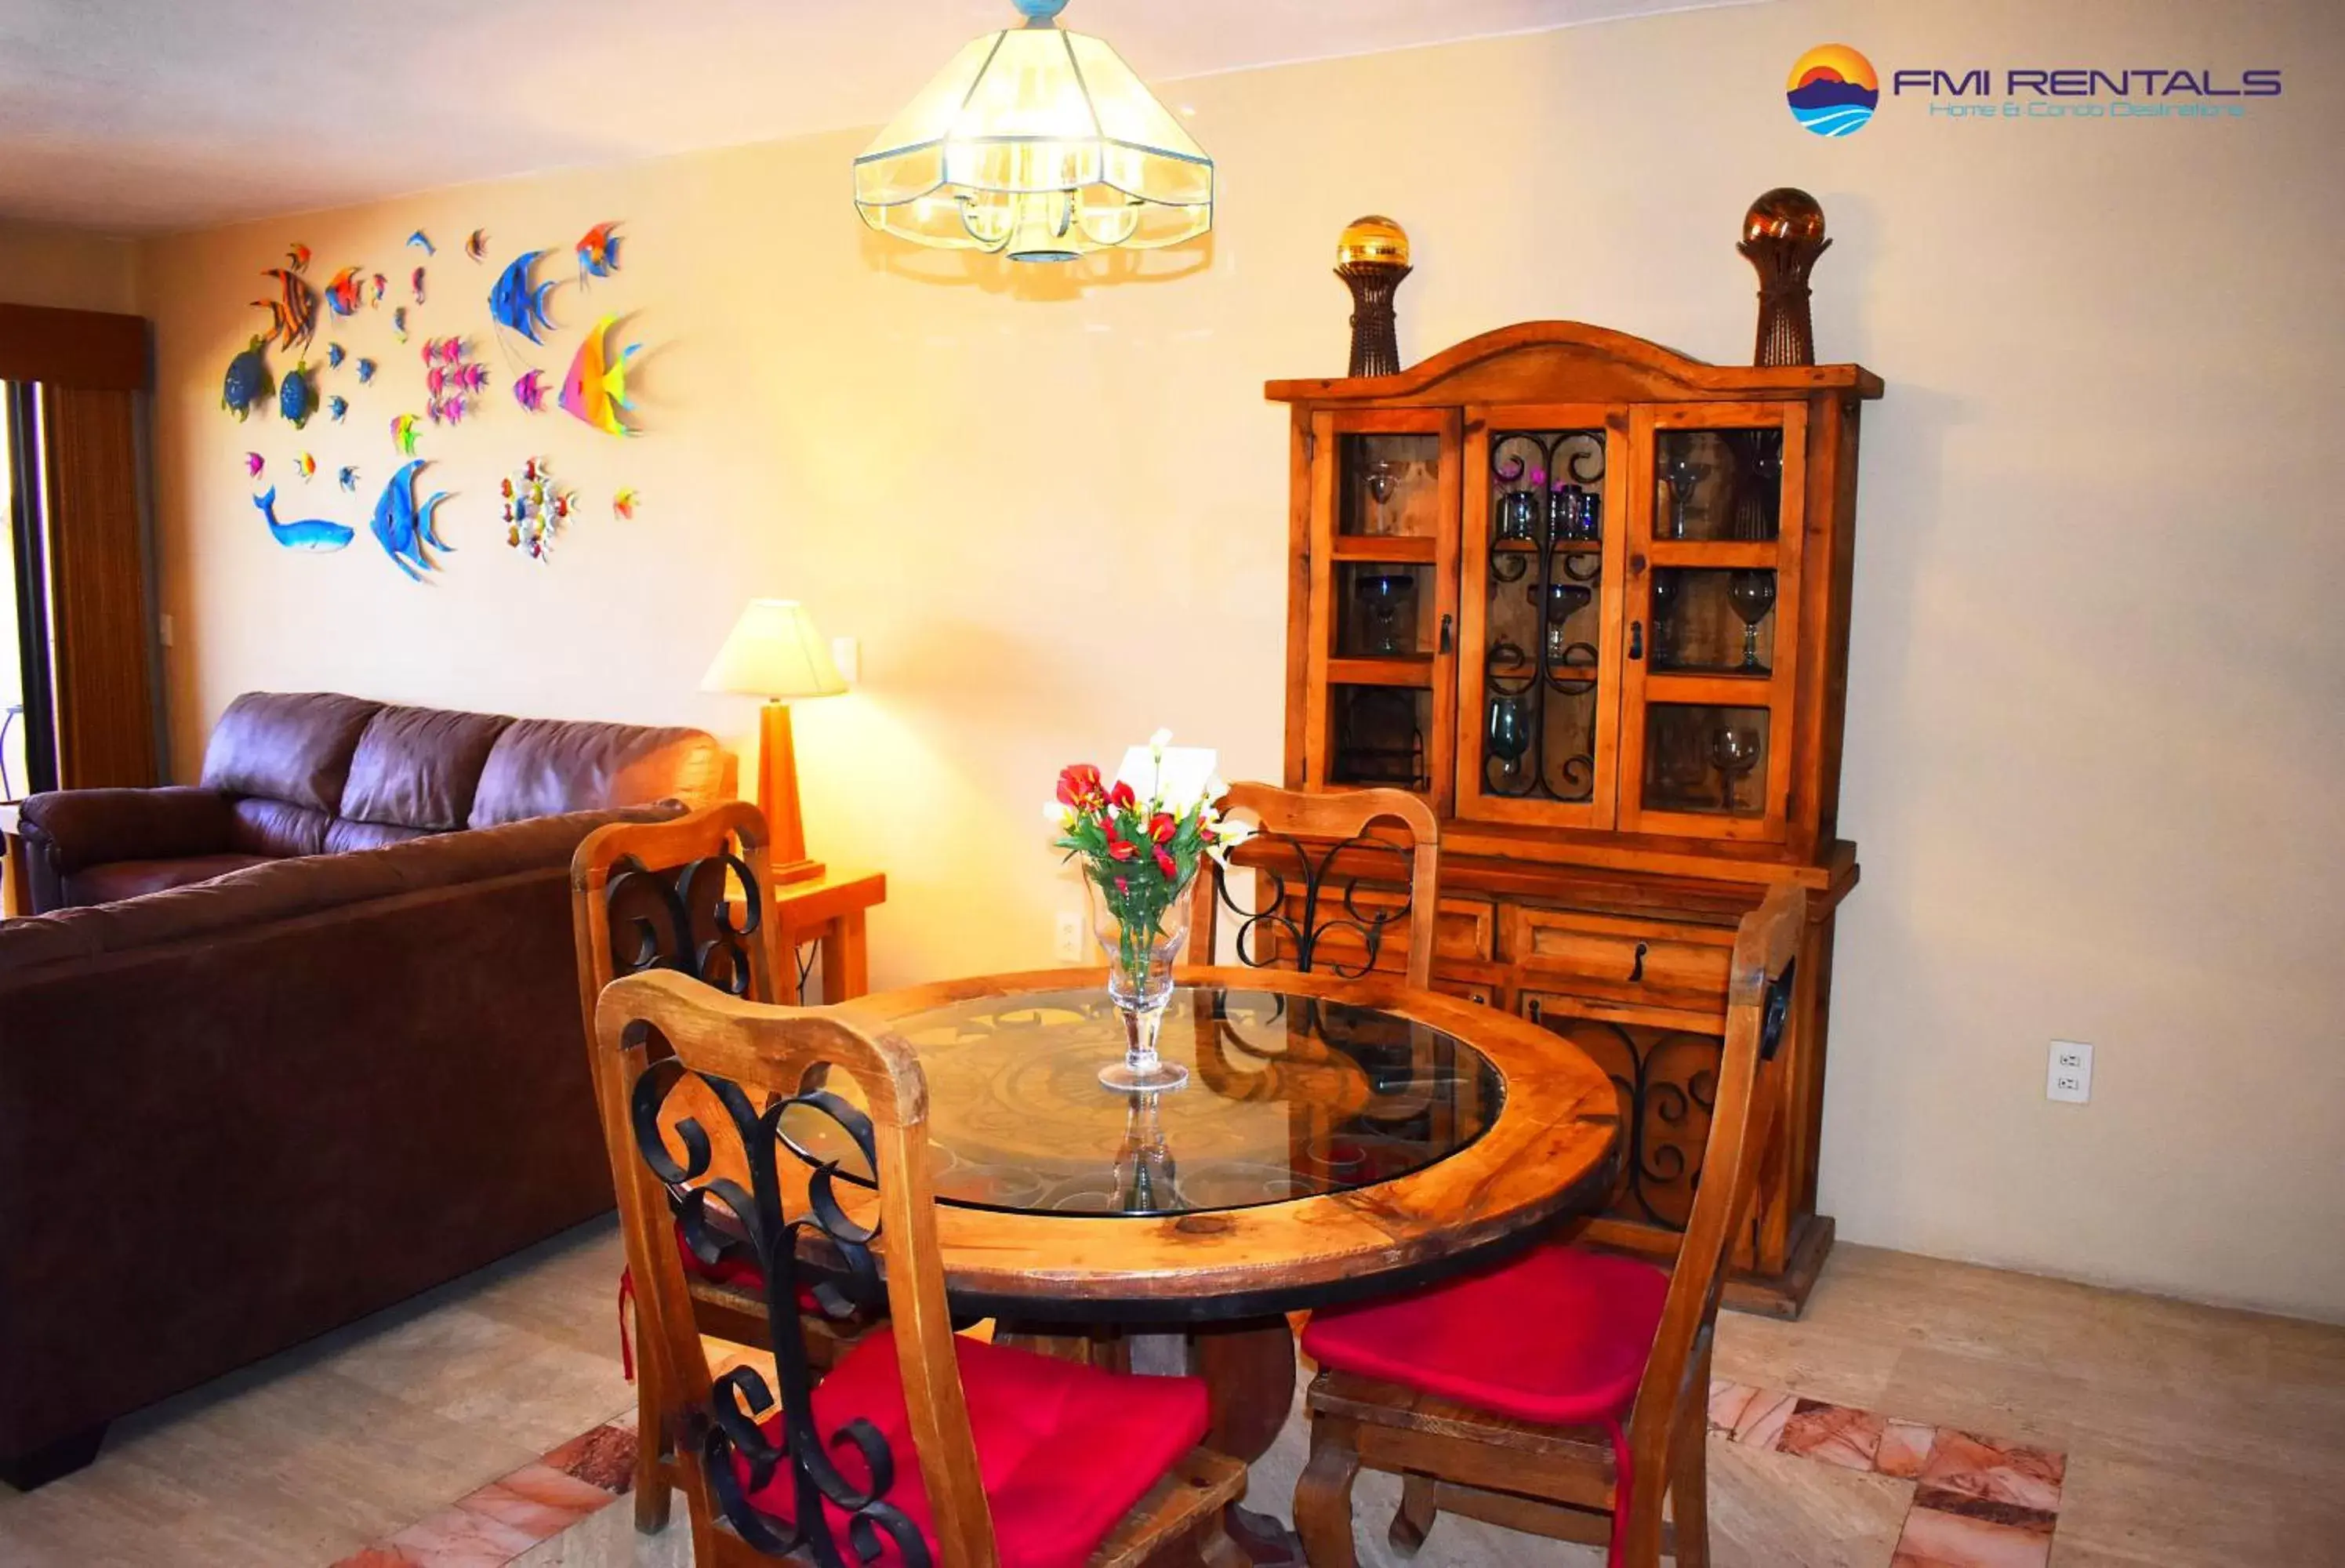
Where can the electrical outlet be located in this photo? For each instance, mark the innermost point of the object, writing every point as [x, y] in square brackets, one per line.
[1068, 942]
[2070, 1075]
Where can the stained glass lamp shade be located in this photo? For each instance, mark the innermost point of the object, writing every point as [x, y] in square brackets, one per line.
[1038, 143]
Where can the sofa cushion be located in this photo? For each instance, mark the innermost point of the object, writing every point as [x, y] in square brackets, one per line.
[418, 767]
[276, 828]
[285, 889]
[343, 835]
[287, 745]
[130, 878]
[541, 767]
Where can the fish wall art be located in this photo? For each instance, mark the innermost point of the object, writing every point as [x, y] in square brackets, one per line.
[420, 238]
[403, 431]
[347, 478]
[476, 245]
[342, 292]
[530, 390]
[595, 391]
[536, 508]
[294, 309]
[337, 406]
[316, 533]
[246, 381]
[514, 305]
[403, 528]
[598, 252]
[297, 398]
[334, 355]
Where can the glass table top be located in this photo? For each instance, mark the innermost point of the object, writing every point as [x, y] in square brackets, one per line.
[1288, 1096]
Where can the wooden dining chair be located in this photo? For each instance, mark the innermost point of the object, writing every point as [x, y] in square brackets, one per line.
[1310, 856]
[922, 1446]
[1568, 1385]
[693, 896]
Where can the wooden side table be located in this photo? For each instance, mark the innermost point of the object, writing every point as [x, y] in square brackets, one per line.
[15, 889]
[829, 910]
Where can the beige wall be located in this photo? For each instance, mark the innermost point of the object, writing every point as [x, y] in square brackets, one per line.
[67, 268]
[2094, 748]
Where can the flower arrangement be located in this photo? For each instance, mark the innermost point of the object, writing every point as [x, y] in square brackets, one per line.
[1141, 840]
[1141, 851]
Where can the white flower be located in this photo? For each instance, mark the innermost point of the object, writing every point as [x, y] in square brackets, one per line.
[1058, 815]
[1159, 741]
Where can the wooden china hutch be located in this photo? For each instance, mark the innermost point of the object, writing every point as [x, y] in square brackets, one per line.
[1590, 599]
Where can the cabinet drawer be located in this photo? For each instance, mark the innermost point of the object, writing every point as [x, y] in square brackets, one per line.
[1463, 931]
[1623, 958]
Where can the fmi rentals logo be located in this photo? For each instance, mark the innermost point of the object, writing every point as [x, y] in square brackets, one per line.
[1833, 91]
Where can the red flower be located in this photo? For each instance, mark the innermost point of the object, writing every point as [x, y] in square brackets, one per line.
[1164, 864]
[1121, 795]
[1163, 829]
[1080, 788]
[1123, 884]
[1119, 848]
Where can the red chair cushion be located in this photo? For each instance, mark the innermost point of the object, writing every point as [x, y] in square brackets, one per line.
[1065, 1451]
[1560, 1336]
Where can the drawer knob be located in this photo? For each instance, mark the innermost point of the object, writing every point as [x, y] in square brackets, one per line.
[1637, 970]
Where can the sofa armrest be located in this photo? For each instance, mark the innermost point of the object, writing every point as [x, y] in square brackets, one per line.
[75, 828]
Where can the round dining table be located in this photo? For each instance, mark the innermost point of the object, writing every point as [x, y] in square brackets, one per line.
[1337, 1139]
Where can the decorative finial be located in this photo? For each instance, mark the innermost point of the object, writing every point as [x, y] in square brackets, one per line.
[1372, 258]
[1783, 235]
[1039, 13]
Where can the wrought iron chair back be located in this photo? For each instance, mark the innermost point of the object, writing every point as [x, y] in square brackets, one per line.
[659, 895]
[744, 1173]
[1310, 858]
[1672, 1400]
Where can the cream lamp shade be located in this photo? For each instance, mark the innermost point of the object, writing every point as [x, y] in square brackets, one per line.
[775, 652]
[1037, 144]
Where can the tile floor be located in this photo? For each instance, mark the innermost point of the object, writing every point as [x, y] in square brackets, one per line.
[1923, 1415]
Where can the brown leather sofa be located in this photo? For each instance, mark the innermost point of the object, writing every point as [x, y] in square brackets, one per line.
[316, 773]
[238, 1111]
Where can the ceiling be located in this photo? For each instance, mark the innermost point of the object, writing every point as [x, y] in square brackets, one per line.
[133, 116]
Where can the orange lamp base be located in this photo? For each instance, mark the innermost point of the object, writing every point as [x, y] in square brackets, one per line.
[778, 796]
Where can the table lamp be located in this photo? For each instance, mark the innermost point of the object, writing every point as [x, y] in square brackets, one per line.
[775, 652]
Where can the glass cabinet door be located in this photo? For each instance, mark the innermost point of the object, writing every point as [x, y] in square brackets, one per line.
[1715, 526]
[1539, 614]
[1380, 634]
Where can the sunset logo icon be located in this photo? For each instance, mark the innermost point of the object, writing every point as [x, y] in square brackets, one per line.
[1833, 90]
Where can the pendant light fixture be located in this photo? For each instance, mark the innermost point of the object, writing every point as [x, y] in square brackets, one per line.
[1038, 143]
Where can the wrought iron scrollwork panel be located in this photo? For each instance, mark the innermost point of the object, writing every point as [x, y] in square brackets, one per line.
[681, 918]
[1667, 1080]
[1297, 915]
[1547, 532]
[849, 1473]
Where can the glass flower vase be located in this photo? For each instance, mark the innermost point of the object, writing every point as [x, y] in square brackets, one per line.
[1142, 944]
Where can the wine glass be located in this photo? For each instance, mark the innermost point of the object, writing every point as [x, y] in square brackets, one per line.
[1564, 599]
[1509, 733]
[1390, 599]
[1752, 594]
[1734, 751]
[1684, 477]
[1380, 482]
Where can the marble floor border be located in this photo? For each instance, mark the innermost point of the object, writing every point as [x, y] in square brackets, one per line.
[1978, 1502]
[515, 1513]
